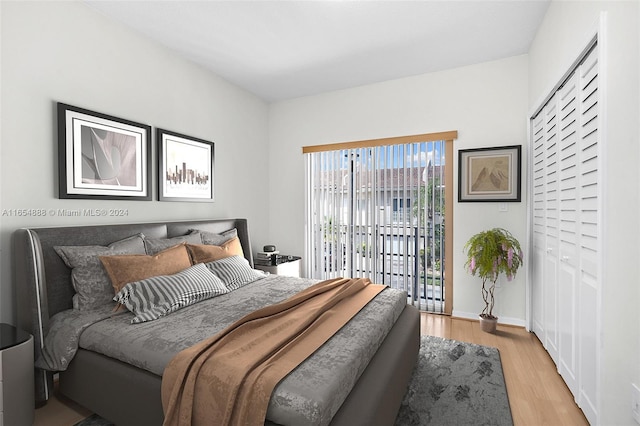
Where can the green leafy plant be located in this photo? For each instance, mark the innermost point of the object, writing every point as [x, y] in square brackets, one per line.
[489, 254]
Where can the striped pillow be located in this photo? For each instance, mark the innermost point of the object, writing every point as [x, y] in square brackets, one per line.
[234, 271]
[158, 296]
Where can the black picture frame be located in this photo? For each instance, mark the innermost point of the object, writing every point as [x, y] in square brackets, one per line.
[185, 167]
[102, 157]
[490, 174]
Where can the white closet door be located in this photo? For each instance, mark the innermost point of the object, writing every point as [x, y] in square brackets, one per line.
[568, 232]
[538, 224]
[589, 241]
[551, 219]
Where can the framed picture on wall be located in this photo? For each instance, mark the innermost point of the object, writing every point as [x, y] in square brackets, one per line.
[185, 167]
[489, 174]
[102, 157]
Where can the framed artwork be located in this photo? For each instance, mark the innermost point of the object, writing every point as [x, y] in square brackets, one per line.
[489, 174]
[102, 157]
[185, 167]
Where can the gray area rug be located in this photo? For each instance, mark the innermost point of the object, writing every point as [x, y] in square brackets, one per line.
[456, 383]
[453, 383]
[94, 420]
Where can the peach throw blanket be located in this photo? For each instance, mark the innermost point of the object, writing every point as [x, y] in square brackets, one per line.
[228, 379]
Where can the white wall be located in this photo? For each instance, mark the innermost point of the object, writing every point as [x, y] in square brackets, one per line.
[566, 28]
[64, 51]
[486, 103]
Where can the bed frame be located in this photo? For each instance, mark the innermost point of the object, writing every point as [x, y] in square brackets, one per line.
[127, 395]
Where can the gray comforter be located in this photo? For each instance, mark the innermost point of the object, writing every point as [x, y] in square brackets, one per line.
[310, 395]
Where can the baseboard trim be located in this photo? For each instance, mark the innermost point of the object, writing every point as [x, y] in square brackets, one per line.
[501, 320]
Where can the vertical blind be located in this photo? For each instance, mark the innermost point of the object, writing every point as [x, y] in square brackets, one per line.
[378, 212]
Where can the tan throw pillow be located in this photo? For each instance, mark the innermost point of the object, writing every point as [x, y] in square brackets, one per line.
[126, 269]
[202, 253]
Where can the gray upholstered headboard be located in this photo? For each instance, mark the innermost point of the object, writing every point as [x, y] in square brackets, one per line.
[43, 281]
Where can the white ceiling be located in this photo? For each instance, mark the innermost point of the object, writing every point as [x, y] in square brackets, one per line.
[286, 49]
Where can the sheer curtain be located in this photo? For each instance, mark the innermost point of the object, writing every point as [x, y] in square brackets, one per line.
[379, 211]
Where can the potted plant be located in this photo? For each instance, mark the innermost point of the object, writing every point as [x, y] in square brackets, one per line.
[490, 253]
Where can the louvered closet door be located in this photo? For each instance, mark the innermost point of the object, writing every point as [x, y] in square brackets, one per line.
[538, 223]
[589, 237]
[551, 221]
[568, 231]
[566, 217]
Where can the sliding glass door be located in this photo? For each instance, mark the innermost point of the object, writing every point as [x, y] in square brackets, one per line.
[380, 212]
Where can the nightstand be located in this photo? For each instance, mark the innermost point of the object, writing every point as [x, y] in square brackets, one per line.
[16, 377]
[286, 265]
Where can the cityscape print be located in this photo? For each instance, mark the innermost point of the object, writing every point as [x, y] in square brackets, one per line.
[187, 167]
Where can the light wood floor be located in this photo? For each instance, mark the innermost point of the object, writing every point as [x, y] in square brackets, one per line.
[537, 394]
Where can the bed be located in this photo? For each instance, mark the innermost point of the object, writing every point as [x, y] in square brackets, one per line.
[129, 393]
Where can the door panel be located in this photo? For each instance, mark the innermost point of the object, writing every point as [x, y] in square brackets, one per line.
[538, 292]
[567, 297]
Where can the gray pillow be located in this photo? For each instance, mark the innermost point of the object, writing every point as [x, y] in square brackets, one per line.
[156, 245]
[156, 297]
[213, 239]
[88, 276]
[234, 271]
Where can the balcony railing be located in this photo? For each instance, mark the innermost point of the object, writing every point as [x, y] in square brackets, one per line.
[402, 257]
